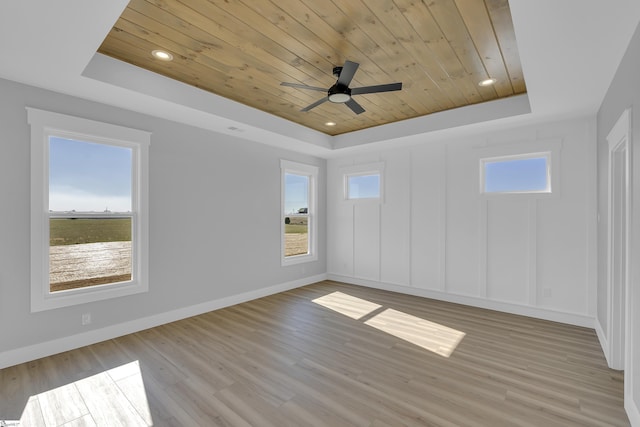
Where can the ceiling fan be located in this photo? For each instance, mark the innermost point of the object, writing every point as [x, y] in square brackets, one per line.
[340, 93]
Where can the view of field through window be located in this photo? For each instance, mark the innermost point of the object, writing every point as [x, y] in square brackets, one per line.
[296, 235]
[90, 218]
[296, 221]
[88, 251]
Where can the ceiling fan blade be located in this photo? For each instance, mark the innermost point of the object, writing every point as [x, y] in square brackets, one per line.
[375, 89]
[355, 107]
[299, 86]
[315, 104]
[348, 71]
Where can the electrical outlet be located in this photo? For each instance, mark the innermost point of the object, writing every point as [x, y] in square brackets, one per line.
[86, 318]
[546, 292]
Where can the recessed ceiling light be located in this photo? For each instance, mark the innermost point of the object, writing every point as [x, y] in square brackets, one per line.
[330, 124]
[487, 82]
[162, 55]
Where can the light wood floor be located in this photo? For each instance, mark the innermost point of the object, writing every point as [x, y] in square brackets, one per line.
[328, 354]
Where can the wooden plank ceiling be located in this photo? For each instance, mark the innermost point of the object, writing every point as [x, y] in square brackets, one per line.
[244, 49]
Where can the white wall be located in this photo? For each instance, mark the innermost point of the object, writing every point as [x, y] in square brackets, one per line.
[214, 227]
[623, 93]
[434, 235]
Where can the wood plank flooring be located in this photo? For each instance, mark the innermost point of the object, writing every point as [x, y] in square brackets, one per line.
[327, 354]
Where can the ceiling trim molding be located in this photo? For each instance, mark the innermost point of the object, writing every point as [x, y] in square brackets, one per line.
[205, 109]
[487, 111]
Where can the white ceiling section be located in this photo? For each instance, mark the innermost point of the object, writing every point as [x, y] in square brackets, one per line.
[569, 50]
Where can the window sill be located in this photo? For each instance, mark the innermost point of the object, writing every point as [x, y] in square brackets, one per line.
[298, 259]
[49, 301]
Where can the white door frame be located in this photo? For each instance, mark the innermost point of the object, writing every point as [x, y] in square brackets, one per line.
[618, 240]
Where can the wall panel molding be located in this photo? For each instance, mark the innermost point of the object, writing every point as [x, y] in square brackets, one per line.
[532, 265]
[483, 226]
[519, 249]
[442, 235]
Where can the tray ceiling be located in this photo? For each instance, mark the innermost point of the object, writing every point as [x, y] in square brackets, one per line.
[242, 50]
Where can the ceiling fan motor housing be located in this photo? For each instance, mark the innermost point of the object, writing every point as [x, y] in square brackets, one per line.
[339, 93]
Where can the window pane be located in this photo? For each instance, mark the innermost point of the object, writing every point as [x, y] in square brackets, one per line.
[363, 186]
[296, 235]
[88, 251]
[296, 193]
[519, 175]
[89, 177]
[86, 177]
[296, 207]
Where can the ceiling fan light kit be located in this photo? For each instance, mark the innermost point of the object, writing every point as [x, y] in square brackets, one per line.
[340, 93]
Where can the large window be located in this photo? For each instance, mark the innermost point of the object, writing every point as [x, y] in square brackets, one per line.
[299, 199]
[89, 209]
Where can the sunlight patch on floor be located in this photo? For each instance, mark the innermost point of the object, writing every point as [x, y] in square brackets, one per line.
[424, 333]
[114, 396]
[429, 335]
[355, 308]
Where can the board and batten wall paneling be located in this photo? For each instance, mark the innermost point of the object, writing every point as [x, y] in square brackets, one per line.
[435, 235]
[464, 272]
[366, 246]
[395, 220]
[340, 225]
[428, 217]
[507, 250]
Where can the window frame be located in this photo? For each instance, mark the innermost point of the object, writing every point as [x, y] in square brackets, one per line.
[291, 167]
[504, 149]
[45, 124]
[363, 170]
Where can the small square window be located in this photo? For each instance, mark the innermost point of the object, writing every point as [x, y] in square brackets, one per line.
[363, 182]
[529, 173]
[366, 186]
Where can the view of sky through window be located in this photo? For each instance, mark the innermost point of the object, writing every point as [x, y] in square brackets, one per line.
[296, 192]
[517, 175]
[89, 177]
[363, 186]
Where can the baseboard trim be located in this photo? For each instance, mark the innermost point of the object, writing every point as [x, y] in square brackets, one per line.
[535, 312]
[48, 348]
[602, 337]
[633, 412]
